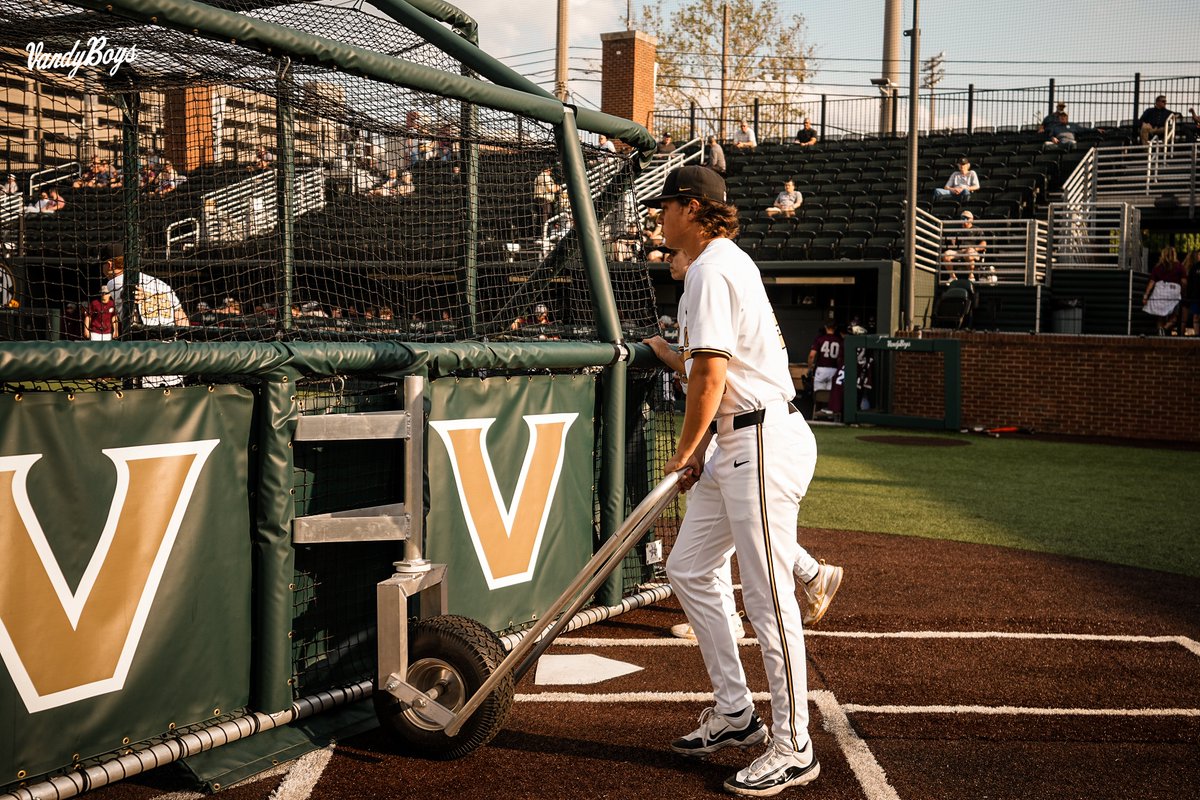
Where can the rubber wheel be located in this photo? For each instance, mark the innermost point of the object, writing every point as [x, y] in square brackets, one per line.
[453, 656]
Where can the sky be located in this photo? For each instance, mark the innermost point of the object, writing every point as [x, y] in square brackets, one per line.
[988, 43]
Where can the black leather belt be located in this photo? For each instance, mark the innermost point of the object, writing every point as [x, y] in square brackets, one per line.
[748, 418]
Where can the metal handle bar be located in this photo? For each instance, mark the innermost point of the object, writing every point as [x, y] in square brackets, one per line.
[599, 567]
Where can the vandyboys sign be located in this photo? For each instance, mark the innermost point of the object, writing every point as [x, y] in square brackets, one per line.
[96, 53]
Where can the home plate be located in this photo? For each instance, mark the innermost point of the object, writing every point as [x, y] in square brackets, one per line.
[579, 670]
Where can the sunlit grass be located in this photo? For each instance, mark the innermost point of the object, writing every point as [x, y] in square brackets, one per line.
[1123, 505]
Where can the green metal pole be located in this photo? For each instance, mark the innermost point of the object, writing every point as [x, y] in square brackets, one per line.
[471, 257]
[608, 325]
[285, 189]
[130, 105]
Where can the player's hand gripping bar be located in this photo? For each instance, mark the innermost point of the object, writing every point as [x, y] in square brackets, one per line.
[527, 651]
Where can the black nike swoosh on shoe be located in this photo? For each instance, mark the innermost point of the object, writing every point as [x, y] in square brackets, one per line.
[737, 463]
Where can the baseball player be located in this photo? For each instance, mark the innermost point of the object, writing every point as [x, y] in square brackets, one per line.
[824, 359]
[745, 494]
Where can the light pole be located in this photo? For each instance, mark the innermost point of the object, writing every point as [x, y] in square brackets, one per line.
[887, 102]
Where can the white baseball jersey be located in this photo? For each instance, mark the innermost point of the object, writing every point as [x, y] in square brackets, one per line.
[724, 310]
[157, 303]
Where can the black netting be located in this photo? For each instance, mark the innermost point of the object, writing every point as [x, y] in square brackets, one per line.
[403, 214]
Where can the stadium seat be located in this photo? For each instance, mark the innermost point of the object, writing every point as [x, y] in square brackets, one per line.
[824, 248]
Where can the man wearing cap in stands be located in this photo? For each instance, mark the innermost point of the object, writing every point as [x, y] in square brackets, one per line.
[1153, 121]
[966, 246]
[960, 184]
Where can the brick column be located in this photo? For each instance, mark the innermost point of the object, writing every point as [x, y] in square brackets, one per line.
[628, 76]
[187, 117]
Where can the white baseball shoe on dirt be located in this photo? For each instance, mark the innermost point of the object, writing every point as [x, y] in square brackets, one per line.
[717, 731]
[684, 630]
[819, 592]
[775, 770]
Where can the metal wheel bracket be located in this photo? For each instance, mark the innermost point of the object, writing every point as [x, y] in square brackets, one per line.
[392, 614]
[414, 698]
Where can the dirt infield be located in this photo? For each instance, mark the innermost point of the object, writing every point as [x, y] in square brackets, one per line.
[943, 670]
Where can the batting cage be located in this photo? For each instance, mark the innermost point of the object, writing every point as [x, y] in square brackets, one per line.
[318, 384]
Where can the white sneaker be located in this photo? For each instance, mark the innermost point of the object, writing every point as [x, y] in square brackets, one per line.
[774, 771]
[819, 592]
[684, 630]
[718, 731]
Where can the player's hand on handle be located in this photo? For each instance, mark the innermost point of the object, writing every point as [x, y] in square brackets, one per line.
[691, 465]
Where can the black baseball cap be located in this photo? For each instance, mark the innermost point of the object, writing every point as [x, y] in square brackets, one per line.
[700, 183]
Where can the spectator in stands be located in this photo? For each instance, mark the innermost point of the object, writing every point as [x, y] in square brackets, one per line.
[386, 187]
[108, 177]
[72, 323]
[823, 360]
[1051, 119]
[744, 138]
[406, 187]
[545, 195]
[786, 202]
[666, 146]
[1191, 308]
[1062, 133]
[10, 186]
[716, 156]
[88, 177]
[1153, 121]
[43, 205]
[168, 180]
[229, 307]
[806, 136]
[627, 246]
[57, 202]
[606, 144]
[965, 247]
[147, 178]
[652, 241]
[541, 314]
[1163, 293]
[100, 322]
[1194, 133]
[155, 303]
[960, 184]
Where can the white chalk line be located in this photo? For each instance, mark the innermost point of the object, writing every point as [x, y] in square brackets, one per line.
[300, 778]
[1188, 644]
[854, 708]
[866, 768]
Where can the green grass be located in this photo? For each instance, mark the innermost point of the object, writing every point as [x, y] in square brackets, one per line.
[1123, 505]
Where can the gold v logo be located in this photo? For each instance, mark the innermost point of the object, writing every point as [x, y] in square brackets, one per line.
[62, 646]
[506, 538]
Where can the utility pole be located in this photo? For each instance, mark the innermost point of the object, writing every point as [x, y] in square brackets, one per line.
[934, 73]
[893, 12]
[560, 66]
[724, 64]
[909, 269]
[628, 15]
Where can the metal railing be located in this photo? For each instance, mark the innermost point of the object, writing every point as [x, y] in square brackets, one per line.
[929, 241]
[247, 208]
[1006, 251]
[1137, 174]
[53, 175]
[1106, 105]
[10, 208]
[1105, 235]
[184, 235]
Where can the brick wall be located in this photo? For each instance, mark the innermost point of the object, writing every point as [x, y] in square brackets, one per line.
[628, 75]
[1119, 386]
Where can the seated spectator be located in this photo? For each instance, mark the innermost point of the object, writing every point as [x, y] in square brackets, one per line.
[147, 178]
[205, 315]
[10, 186]
[88, 177]
[545, 194]
[627, 246]
[960, 184]
[1062, 133]
[387, 186]
[1153, 121]
[263, 160]
[1194, 133]
[108, 177]
[652, 241]
[605, 143]
[806, 136]
[716, 156]
[966, 246]
[168, 180]
[1051, 119]
[744, 138]
[57, 202]
[42, 205]
[230, 307]
[1191, 308]
[786, 202]
[1165, 290]
[666, 146]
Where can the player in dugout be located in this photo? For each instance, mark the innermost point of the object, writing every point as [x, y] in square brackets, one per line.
[745, 495]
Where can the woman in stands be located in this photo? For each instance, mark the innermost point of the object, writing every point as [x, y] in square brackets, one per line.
[1192, 305]
[1165, 290]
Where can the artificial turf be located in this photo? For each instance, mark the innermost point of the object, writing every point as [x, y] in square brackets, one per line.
[1124, 505]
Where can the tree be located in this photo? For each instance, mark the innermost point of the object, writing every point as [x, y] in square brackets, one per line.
[768, 55]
